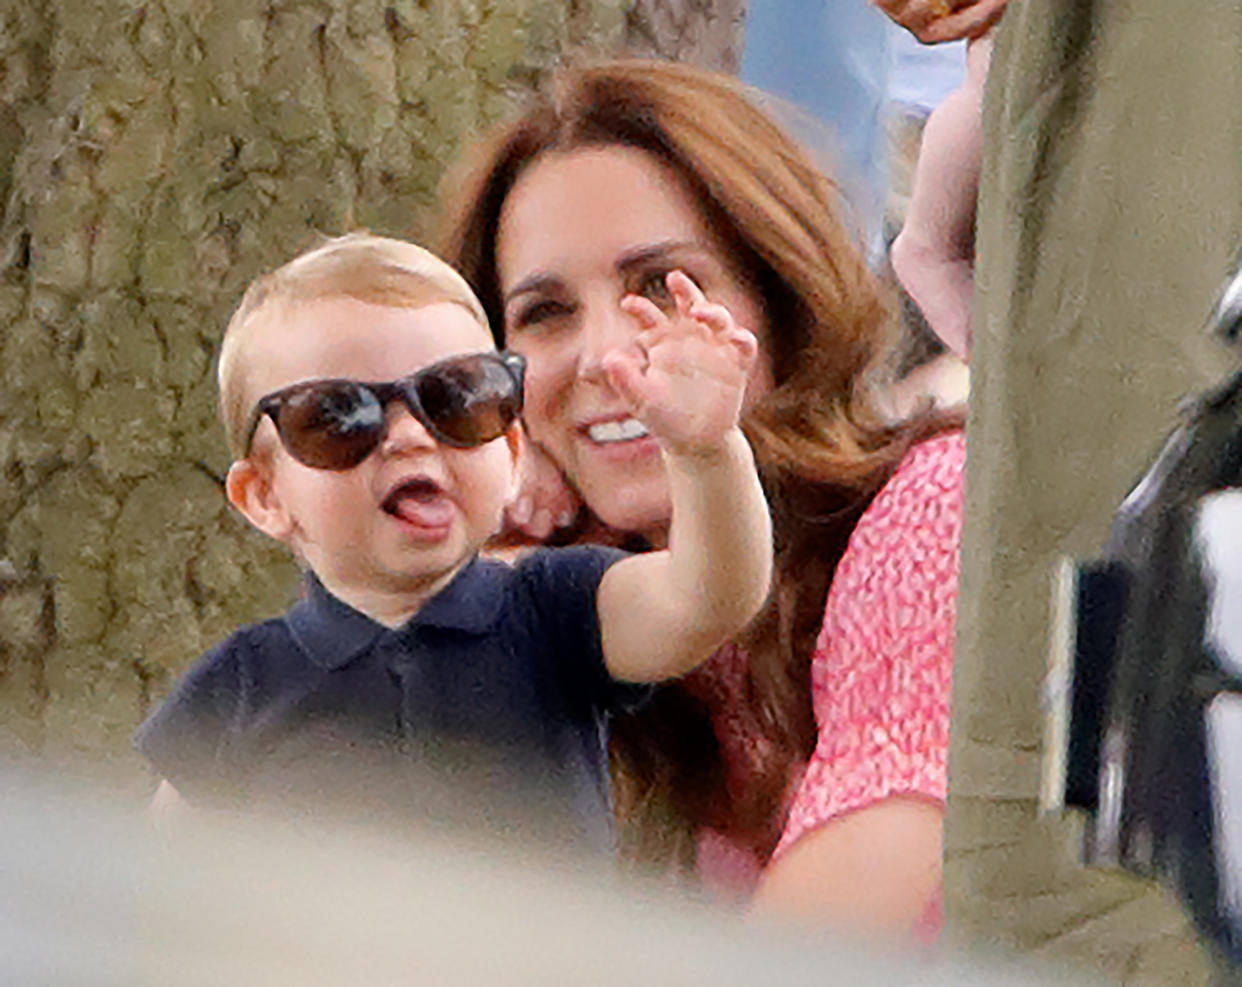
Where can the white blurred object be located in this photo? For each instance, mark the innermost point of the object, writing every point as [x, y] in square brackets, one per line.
[1224, 744]
[1218, 539]
[90, 896]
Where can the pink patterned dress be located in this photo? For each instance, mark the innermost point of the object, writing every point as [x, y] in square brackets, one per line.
[881, 671]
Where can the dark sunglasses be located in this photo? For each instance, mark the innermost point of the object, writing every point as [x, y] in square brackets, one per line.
[464, 401]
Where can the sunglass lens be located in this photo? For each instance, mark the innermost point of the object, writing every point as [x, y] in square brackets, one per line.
[470, 400]
[331, 425]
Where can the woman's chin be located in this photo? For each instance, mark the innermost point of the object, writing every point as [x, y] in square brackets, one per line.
[646, 516]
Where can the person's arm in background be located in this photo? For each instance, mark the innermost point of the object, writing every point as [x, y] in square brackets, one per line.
[934, 254]
[862, 847]
[876, 869]
[933, 21]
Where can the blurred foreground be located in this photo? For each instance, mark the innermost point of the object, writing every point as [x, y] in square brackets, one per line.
[92, 895]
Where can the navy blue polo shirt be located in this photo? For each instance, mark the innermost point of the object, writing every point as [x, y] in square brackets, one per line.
[488, 708]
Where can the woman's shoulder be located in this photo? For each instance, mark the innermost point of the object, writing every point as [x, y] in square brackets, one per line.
[934, 466]
[927, 486]
[914, 524]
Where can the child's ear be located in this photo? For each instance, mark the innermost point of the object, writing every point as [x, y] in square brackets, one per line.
[250, 489]
[515, 438]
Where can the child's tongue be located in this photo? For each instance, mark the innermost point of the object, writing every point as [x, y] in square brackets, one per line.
[421, 504]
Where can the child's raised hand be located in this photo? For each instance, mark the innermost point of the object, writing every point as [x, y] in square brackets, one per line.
[932, 21]
[686, 373]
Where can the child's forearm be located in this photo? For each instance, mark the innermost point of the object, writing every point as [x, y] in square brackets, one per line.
[665, 612]
[720, 539]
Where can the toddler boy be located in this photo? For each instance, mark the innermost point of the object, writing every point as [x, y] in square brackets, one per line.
[415, 676]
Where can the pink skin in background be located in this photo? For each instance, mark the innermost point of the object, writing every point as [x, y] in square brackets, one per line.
[579, 231]
[933, 256]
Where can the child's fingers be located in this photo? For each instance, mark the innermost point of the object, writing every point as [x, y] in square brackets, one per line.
[686, 294]
[715, 316]
[644, 310]
[745, 344]
[970, 20]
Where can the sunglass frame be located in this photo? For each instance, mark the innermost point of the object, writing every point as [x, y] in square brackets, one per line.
[385, 392]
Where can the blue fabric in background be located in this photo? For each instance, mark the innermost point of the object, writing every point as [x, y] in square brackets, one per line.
[921, 76]
[830, 59]
[838, 64]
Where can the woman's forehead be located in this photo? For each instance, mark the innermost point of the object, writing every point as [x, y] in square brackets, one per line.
[598, 203]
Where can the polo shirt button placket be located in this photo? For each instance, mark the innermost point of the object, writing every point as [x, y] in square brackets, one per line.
[416, 714]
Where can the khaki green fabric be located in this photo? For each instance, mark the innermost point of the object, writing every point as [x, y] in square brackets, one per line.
[1110, 206]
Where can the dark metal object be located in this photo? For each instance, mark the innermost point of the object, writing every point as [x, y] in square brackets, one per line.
[1147, 705]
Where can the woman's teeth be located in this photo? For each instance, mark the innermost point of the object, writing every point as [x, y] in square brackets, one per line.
[622, 431]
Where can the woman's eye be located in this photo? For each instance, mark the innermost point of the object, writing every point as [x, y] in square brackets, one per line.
[539, 313]
[655, 287]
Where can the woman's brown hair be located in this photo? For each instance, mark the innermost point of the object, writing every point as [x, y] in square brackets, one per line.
[822, 444]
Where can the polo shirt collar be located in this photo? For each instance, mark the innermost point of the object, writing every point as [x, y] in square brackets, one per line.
[470, 603]
[333, 634]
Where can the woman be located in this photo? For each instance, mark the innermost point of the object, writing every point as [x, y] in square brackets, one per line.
[615, 176]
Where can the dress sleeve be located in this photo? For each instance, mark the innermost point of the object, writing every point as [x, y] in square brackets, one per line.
[881, 672]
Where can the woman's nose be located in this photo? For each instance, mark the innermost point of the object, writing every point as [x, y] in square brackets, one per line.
[605, 328]
[405, 432]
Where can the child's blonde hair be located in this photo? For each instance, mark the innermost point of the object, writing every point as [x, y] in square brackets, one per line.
[362, 266]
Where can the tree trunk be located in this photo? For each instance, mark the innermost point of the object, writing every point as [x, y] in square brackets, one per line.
[704, 32]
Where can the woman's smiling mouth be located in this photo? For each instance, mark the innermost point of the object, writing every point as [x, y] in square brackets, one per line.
[623, 430]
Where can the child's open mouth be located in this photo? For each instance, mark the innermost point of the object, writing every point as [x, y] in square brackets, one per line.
[419, 501]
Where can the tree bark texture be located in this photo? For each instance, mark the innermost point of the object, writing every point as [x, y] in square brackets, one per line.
[704, 32]
[154, 157]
